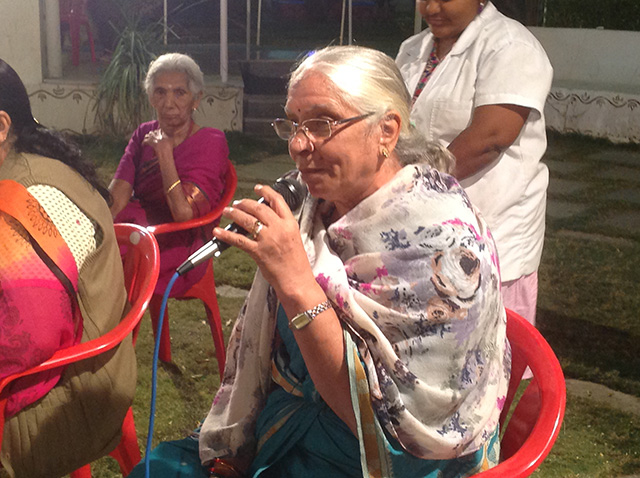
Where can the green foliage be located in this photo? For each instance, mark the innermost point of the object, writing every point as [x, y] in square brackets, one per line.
[610, 14]
[245, 149]
[588, 309]
[595, 442]
[235, 268]
[121, 103]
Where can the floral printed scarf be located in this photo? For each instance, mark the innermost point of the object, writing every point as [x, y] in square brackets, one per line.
[412, 272]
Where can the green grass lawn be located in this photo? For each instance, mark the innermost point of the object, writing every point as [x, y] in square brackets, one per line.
[588, 310]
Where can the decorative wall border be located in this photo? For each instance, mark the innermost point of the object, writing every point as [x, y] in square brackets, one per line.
[70, 108]
[231, 99]
[73, 111]
[586, 98]
[602, 114]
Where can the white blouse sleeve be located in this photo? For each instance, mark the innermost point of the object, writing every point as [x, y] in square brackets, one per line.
[77, 230]
[516, 71]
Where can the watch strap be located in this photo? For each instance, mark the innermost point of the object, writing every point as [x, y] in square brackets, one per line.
[304, 318]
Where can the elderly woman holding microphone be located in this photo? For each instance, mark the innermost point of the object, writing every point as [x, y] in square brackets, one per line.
[479, 82]
[372, 342]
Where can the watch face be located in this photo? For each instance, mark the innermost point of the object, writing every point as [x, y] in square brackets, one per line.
[303, 319]
[300, 321]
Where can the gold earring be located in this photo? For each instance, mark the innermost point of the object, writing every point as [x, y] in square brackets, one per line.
[385, 152]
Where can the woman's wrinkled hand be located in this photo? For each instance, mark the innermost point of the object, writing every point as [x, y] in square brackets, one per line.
[158, 140]
[273, 240]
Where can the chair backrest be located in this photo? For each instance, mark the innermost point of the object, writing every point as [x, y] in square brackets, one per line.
[143, 252]
[535, 423]
[72, 9]
[231, 182]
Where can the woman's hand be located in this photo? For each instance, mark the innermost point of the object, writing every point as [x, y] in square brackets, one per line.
[163, 145]
[276, 245]
[278, 250]
[160, 142]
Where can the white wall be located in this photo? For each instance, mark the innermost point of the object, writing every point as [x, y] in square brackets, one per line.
[20, 38]
[68, 106]
[596, 82]
[604, 59]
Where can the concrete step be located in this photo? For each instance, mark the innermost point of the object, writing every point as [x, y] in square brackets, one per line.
[264, 106]
[266, 77]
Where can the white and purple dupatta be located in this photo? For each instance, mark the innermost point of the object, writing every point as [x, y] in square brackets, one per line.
[412, 271]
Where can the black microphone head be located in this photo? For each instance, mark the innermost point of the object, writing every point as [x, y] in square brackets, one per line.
[292, 191]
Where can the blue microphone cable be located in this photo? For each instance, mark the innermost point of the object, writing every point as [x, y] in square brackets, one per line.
[154, 374]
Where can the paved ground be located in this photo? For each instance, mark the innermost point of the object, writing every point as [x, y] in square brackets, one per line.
[606, 180]
[604, 395]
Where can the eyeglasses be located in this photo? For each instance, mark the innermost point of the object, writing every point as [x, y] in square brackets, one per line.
[314, 129]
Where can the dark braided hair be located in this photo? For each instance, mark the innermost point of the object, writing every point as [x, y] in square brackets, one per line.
[31, 137]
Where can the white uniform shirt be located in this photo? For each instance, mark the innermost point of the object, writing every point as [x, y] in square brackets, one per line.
[496, 60]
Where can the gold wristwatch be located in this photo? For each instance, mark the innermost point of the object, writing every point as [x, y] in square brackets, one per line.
[303, 319]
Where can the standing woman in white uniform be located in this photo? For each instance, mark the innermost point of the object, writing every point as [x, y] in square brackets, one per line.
[479, 82]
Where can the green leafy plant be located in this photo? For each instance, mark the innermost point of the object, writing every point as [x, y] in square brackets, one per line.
[611, 15]
[121, 103]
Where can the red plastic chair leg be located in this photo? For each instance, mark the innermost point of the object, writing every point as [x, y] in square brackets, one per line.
[205, 290]
[127, 452]
[91, 44]
[74, 32]
[84, 472]
[164, 353]
[213, 314]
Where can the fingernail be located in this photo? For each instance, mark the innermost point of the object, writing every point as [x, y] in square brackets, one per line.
[237, 201]
[227, 210]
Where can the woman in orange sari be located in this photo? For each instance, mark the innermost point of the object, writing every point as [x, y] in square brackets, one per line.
[61, 282]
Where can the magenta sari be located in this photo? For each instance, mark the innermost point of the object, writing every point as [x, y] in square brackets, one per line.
[202, 161]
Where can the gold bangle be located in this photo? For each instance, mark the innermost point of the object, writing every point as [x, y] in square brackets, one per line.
[171, 188]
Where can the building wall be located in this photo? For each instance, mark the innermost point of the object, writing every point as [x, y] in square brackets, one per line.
[20, 38]
[69, 106]
[602, 58]
[596, 82]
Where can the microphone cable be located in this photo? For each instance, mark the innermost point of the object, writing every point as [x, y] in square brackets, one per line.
[293, 193]
[154, 374]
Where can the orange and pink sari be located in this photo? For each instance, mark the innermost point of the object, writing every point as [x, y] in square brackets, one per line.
[38, 284]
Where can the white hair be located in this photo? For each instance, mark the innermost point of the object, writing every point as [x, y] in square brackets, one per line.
[369, 81]
[172, 62]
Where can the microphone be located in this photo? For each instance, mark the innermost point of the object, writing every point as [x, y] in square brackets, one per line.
[293, 193]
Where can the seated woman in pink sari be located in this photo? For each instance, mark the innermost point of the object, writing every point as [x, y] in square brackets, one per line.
[172, 169]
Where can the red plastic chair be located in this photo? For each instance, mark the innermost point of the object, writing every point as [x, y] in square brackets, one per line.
[534, 426]
[205, 289]
[143, 264]
[72, 12]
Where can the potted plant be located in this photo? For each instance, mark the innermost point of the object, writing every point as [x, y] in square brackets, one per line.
[121, 104]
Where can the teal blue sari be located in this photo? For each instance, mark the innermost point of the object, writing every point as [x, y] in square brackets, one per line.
[299, 436]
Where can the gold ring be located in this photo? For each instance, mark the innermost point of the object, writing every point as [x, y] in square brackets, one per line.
[257, 227]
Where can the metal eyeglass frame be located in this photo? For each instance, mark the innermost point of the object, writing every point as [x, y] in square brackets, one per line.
[297, 126]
